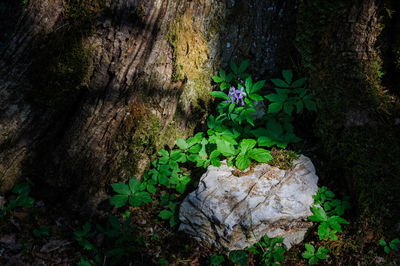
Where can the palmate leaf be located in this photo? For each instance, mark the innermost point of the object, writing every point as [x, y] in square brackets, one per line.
[321, 253]
[139, 198]
[246, 145]
[319, 215]
[134, 185]
[335, 222]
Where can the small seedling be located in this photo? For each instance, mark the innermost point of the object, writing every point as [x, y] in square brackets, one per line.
[392, 245]
[329, 226]
[312, 256]
[41, 231]
[239, 257]
[271, 250]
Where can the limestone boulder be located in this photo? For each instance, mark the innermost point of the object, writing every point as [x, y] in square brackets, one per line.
[233, 211]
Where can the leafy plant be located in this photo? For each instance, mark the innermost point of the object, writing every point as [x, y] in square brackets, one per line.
[216, 259]
[247, 152]
[329, 226]
[312, 256]
[239, 257]
[332, 206]
[290, 95]
[170, 214]
[41, 231]
[82, 236]
[134, 193]
[22, 200]
[392, 245]
[271, 250]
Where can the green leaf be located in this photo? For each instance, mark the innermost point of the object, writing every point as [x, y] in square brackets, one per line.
[195, 148]
[229, 77]
[165, 214]
[243, 66]
[216, 260]
[242, 162]
[310, 105]
[321, 253]
[382, 243]
[239, 257]
[299, 106]
[319, 215]
[248, 84]
[307, 254]
[279, 83]
[181, 143]
[163, 180]
[246, 145]
[260, 155]
[151, 189]
[139, 198]
[134, 185]
[386, 249]
[219, 94]
[83, 262]
[164, 153]
[313, 260]
[323, 230]
[287, 75]
[121, 188]
[214, 158]
[274, 108]
[258, 86]
[234, 67]
[222, 73]
[335, 222]
[225, 147]
[119, 200]
[180, 188]
[217, 79]
[273, 97]
[231, 107]
[288, 108]
[256, 97]
[299, 83]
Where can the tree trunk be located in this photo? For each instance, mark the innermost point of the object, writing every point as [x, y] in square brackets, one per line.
[90, 89]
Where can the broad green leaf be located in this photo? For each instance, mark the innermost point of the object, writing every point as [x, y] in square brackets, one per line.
[234, 67]
[307, 254]
[310, 248]
[313, 260]
[273, 97]
[134, 185]
[217, 79]
[260, 155]
[386, 249]
[119, 200]
[299, 83]
[246, 145]
[193, 158]
[265, 141]
[243, 66]
[231, 107]
[214, 158]
[151, 189]
[164, 153]
[242, 162]
[222, 73]
[181, 143]
[287, 75]
[288, 108]
[219, 94]
[321, 253]
[121, 188]
[165, 214]
[216, 260]
[229, 77]
[181, 188]
[299, 106]
[335, 222]
[139, 198]
[319, 215]
[248, 84]
[274, 108]
[195, 148]
[256, 97]
[114, 222]
[279, 83]
[239, 257]
[178, 155]
[225, 147]
[258, 86]
[323, 230]
[224, 86]
[382, 243]
[163, 180]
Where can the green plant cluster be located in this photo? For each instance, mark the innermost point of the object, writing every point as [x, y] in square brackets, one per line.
[233, 133]
[23, 200]
[312, 256]
[389, 246]
[271, 250]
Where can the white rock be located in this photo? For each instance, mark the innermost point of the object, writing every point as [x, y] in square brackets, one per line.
[231, 212]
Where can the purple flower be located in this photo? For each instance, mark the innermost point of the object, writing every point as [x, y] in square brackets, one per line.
[231, 95]
[240, 95]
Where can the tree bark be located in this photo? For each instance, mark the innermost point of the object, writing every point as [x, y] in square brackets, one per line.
[90, 90]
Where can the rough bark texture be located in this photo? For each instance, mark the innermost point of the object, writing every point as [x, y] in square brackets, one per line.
[356, 118]
[90, 90]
